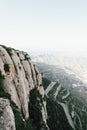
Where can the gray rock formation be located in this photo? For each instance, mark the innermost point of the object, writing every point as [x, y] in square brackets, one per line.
[7, 121]
[18, 76]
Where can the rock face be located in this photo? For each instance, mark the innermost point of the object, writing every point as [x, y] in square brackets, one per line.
[18, 77]
[7, 121]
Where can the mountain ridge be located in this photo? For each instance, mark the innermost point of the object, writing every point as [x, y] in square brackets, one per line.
[18, 79]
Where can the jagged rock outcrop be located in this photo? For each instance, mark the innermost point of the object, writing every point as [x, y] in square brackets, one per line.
[18, 76]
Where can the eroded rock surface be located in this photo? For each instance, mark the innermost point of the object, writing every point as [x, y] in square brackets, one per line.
[7, 121]
[18, 77]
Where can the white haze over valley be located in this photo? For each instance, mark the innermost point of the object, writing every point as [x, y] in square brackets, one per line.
[71, 63]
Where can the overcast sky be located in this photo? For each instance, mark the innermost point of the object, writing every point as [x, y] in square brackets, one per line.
[36, 25]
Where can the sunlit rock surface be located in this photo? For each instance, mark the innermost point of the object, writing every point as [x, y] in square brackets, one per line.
[18, 76]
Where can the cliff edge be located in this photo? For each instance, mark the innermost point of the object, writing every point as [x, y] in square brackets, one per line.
[22, 103]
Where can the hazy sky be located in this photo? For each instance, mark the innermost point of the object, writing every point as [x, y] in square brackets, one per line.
[44, 24]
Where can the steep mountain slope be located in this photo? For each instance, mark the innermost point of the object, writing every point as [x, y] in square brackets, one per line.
[69, 110]
[67, 101]
[68, 81]
[22, 104]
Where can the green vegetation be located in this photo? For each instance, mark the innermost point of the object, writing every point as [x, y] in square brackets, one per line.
[2, 92]
[45, 82]
[56, 116]
[35, 121]
[8, 49]
[35, 107]
[80, 109]
[1, 81]
[18, 118]
[1, 112]
[29, 125]
[27, 57]
[20, 124]
[53, 90]
[6, 67]
[5, 95]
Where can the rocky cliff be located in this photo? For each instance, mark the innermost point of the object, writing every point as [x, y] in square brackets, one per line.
[22, 104]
